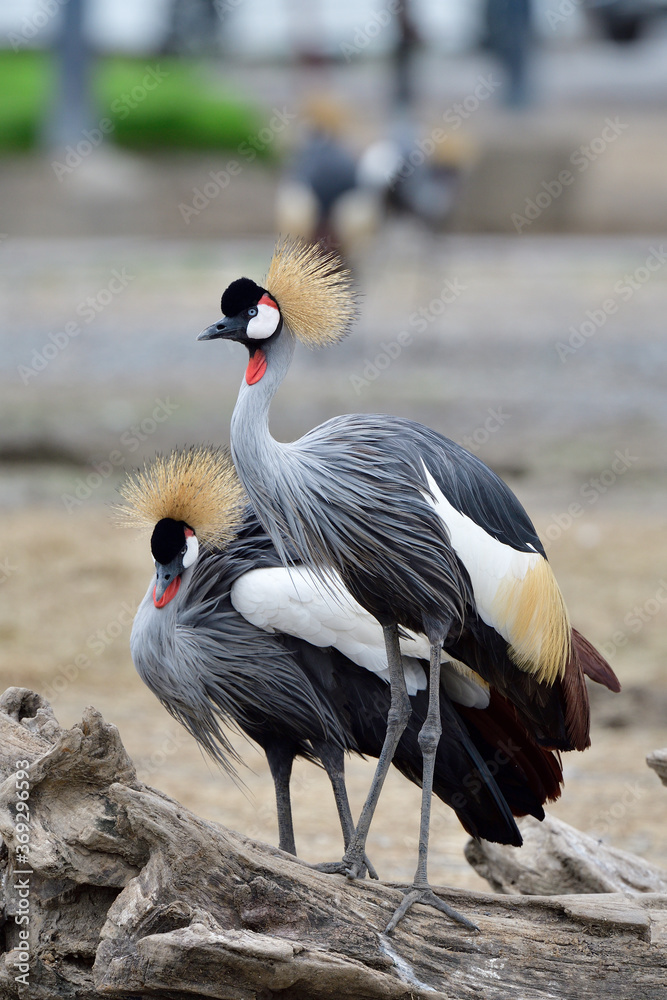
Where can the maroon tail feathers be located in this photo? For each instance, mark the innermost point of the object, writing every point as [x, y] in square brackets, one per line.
[500, 725]
[577, 708]
[584, 660]
[593, 663]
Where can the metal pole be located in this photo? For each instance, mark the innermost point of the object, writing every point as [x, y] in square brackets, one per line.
[72, 111]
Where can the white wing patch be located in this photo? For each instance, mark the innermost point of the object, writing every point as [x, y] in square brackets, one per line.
[294, 601]
[490, 563]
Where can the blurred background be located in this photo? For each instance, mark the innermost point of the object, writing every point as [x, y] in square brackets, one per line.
[493, 172]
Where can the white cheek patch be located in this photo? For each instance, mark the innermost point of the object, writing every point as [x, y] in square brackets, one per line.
[264, 323]
[192, 545]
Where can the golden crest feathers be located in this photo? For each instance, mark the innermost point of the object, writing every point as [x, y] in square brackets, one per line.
[198, 485]
[313, 290]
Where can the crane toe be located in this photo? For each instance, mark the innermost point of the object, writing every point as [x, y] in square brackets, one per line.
[429, 898]
[346, 868]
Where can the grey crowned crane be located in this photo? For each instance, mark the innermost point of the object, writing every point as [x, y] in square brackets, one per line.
[313, 198]
[203, 641]
[423, 535]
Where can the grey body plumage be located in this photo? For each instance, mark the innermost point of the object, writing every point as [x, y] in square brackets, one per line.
[355, 485]
[207, 664]
[423, 535]
[351, 493]
[212, 669]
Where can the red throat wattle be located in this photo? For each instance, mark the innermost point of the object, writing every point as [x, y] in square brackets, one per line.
[169, 593]
[256, 367]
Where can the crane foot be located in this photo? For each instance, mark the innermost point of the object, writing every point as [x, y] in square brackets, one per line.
[344, 868]
[429, 898]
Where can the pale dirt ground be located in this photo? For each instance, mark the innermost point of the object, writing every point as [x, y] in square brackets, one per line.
[65, 576]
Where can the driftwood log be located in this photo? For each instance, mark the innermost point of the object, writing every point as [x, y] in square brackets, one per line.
[556, 858]
[658, 761]
[130, 895]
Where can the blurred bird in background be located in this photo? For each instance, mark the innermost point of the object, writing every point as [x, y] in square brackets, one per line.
[417, 177]
[318, 197]
[342, 199]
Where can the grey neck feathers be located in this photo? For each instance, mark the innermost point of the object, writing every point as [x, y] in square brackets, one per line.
[154, 630]
[250, 420]
[258, 457]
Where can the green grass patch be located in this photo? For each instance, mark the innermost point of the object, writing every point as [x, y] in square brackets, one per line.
[26, 86]
[154, 104]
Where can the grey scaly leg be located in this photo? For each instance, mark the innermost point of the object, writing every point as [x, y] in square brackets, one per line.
[400, 709]
[429, 737]
[333, 760]
[280, 764]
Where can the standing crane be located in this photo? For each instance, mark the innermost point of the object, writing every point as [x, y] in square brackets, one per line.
[320, 178]
[421, 532]
[203, 642]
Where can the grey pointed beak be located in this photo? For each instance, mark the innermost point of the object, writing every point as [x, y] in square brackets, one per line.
[165, 574]
[228, 328]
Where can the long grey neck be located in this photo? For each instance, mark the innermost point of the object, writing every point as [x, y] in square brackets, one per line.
[251, 441]
[258, 457]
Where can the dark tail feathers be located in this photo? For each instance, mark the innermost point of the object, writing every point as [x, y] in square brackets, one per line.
[593, 663]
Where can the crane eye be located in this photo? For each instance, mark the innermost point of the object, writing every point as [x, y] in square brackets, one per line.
[184, 550]
[252, 311]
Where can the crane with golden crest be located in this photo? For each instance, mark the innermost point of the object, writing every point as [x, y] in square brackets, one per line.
[421, 532]
[316, 687]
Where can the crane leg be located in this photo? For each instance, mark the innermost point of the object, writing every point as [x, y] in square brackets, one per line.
[397, 719]
[333, 759]
[429, 737]
[280, 760]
